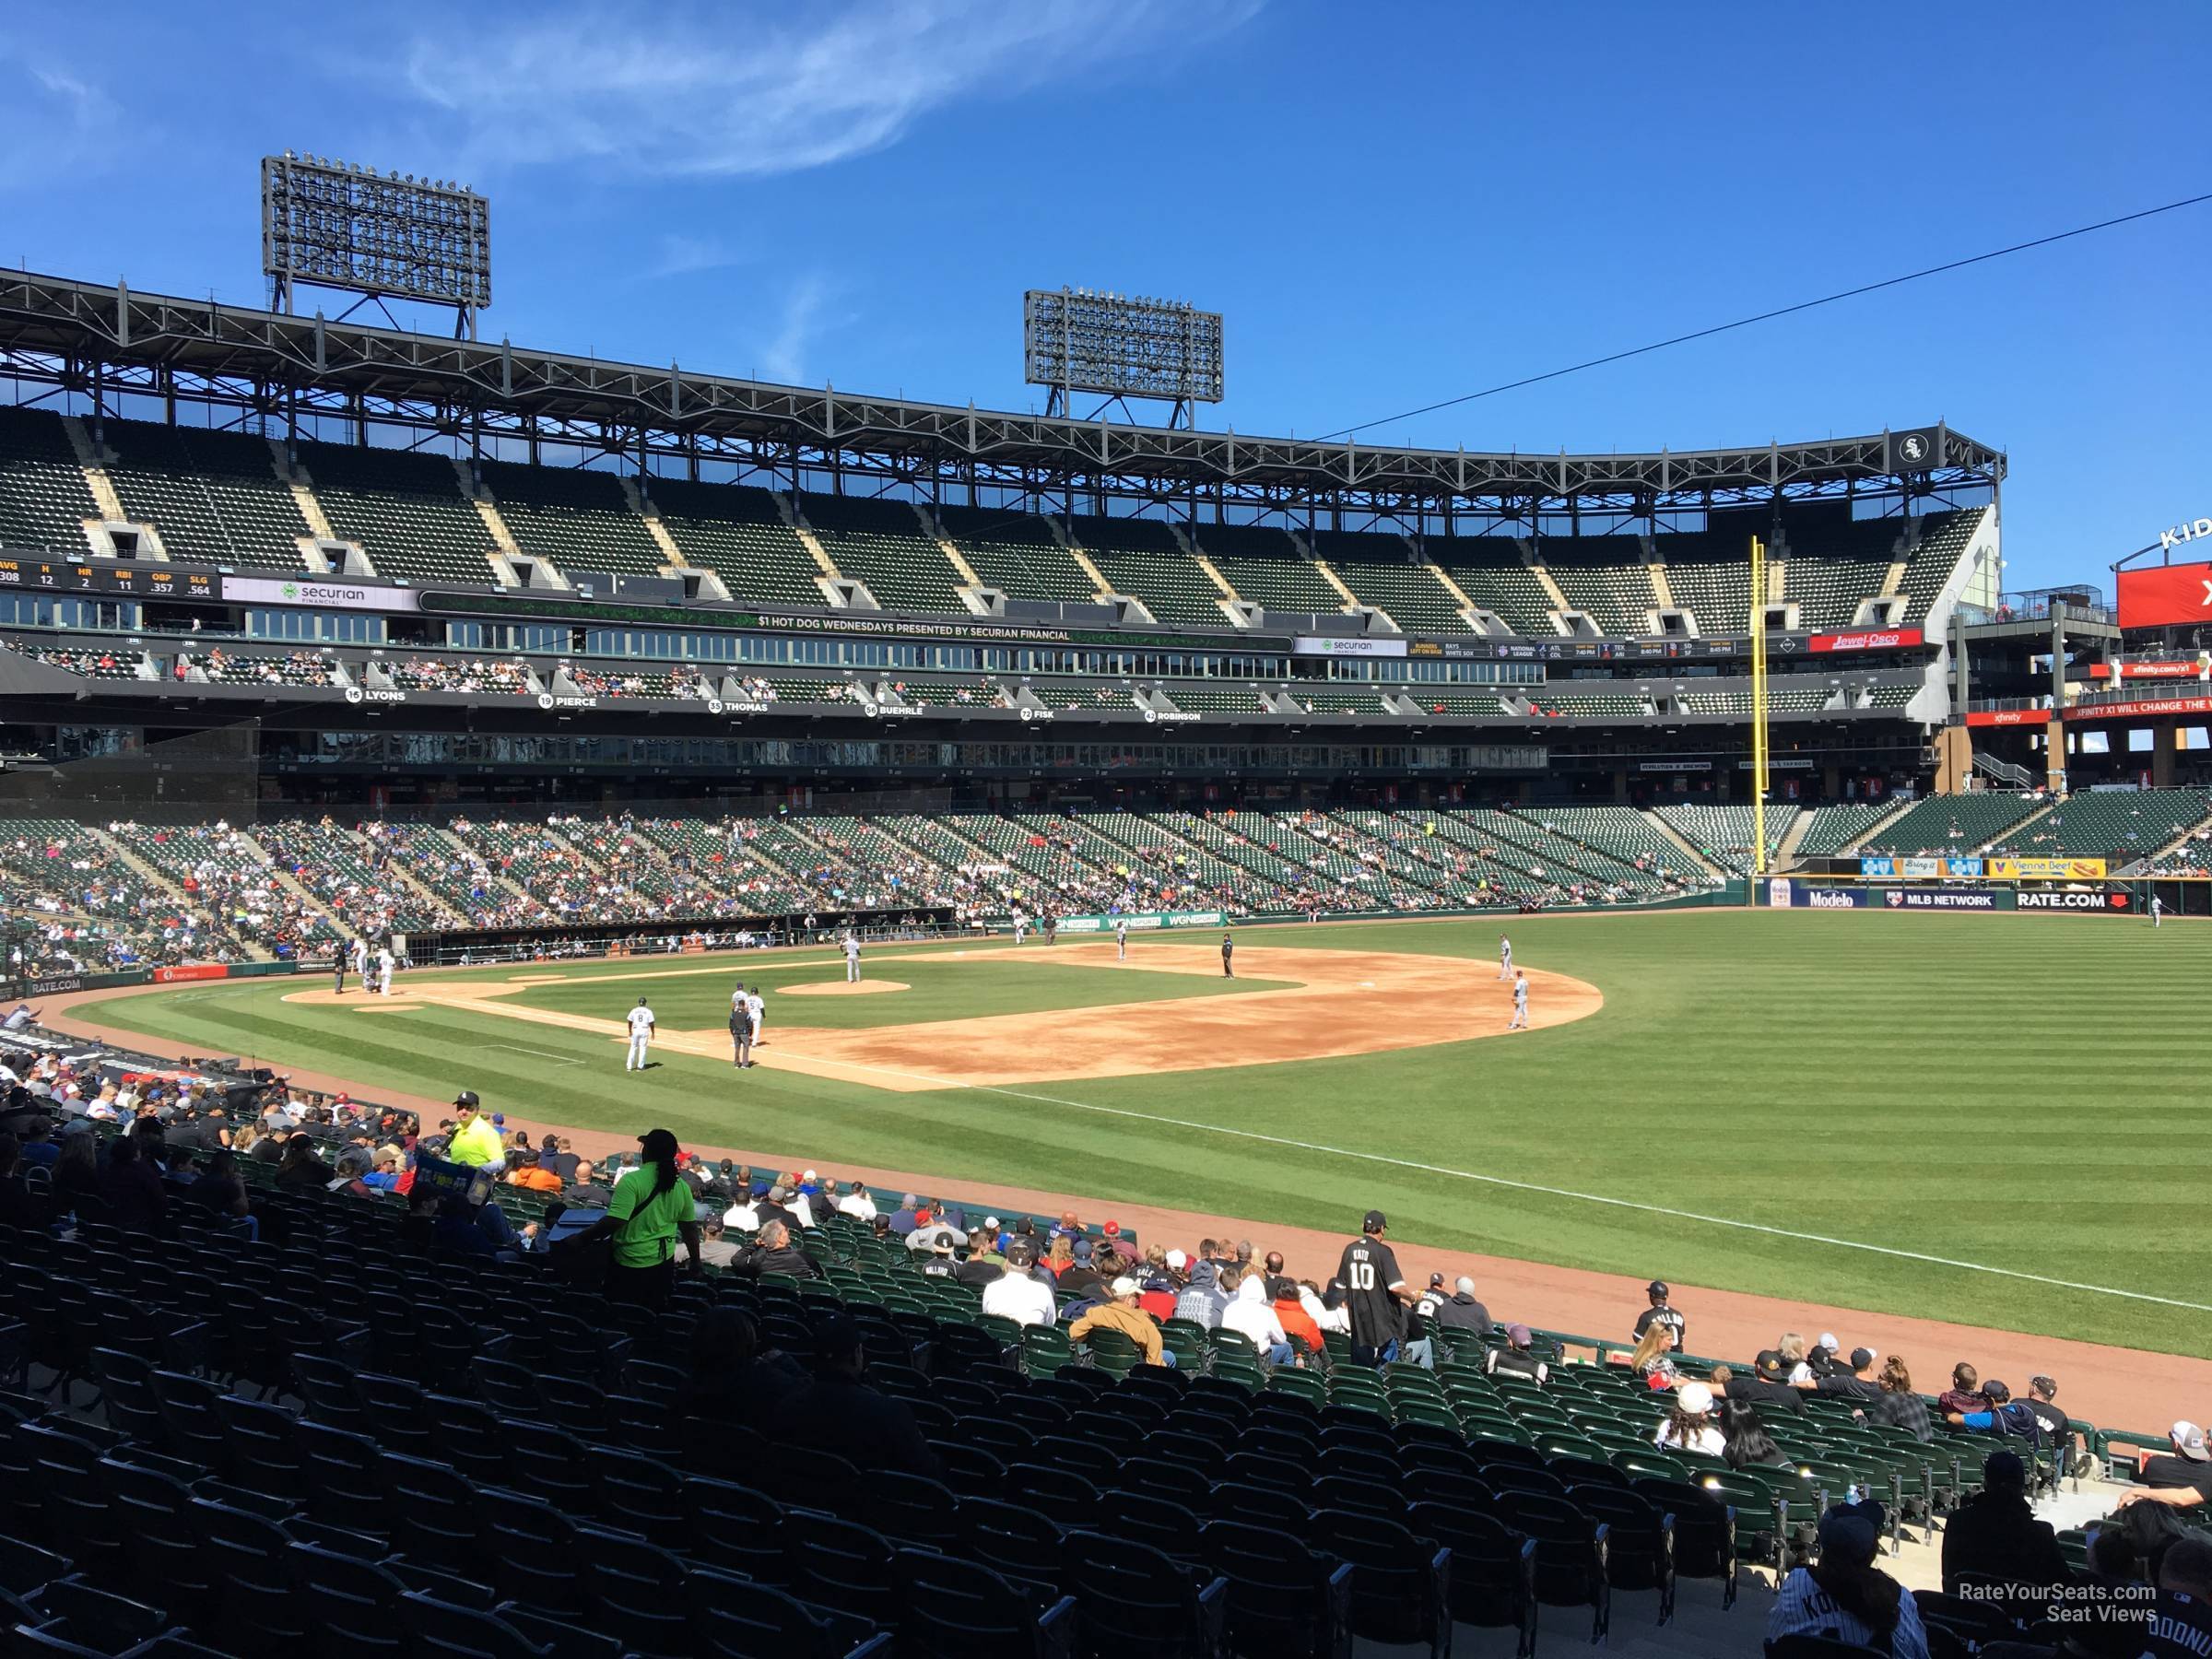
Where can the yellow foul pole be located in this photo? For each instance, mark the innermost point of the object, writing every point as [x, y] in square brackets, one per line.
[1758, 710]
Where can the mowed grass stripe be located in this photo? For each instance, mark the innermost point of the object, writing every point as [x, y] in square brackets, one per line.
[2007, 1090]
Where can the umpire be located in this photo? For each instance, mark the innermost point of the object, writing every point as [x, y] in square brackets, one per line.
[1229, 949]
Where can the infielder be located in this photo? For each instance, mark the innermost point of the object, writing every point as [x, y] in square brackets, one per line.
[741, 1031]
[641, 1036]
[383, 970]
[1021, 926]
[851, 958]
[1120, 938]
[1520, 1020]
[755, 1010]
[357, 953]
[1228, 947]
[1505, 957]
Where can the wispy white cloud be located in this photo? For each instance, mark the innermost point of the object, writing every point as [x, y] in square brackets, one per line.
[783, 354]
[707, 89]
[52, 122]
[676, 254]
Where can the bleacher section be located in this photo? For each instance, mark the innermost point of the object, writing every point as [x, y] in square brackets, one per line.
[1381, 572]
[1723, 834]
[1017, 554]
[1493, 577]
[1266, 568]
[736, 532]
[880, 543]
[1832, 563]
[1958, 824]
[1141, 560]
[1943, 538]
[1712, 582]
[1832, 829]
[1604, 575]
[214, 496]
[404, 509]
[44, 497]
[2119, 825]
[579, 518]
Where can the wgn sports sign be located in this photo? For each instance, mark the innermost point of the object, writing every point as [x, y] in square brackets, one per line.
[1142, 922]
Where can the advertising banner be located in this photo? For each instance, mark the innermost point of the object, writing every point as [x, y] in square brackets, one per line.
[1148, 920]
[1367, 645]
[2110, 902]
[2045, 869]
[1909, 869]
[2009, 717]
[1867, 638]
[2165, 596]
[1962, 869]
[191, 970]
[1950, 899]
[2146, 707]
[322, 594]
[1805, 898]
[1778, 893]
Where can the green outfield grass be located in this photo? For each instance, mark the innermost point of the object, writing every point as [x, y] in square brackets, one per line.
[940, 984]
[2015, 1092]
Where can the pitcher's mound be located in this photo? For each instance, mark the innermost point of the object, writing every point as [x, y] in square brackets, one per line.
[840, 988]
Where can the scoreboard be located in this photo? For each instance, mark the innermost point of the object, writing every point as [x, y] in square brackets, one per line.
[138, 581]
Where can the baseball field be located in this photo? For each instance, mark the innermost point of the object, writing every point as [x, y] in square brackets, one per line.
[1990, 1120]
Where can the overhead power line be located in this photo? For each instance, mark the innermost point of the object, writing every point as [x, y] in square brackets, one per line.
[1768, 316]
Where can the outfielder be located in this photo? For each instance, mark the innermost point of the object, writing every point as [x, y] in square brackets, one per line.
[1120, 938]
[1520, 1020]
[383, 970]
[1505, 957]
[851, 958]
[755, 1010]
[2157, 909]
[641, 1036]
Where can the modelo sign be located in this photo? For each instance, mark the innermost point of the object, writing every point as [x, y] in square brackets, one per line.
[2166, 596]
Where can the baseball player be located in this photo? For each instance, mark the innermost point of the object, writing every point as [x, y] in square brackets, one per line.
[641, 1036]
[1229, 949]
[755, 1010]
[1505, 957]
[741, 1031]
[851, 957]
[357, 954]
[1120, 938]
[383, 970]
[1020, 925]
[2157, 909]
[1520, 1020]
[337, 969]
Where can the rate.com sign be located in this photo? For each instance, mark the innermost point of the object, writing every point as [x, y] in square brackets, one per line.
[2166, 596]
[2107, 903]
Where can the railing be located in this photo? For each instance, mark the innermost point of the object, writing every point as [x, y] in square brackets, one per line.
[2005, 772]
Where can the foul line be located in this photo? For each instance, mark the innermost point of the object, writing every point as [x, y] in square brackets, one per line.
[1550, 1192]
[511, 1049]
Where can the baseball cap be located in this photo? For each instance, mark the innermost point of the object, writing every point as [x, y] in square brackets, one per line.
[1657, 1288]
[808, 1175]
[1694, 1398]
[2004, 1469]
[1112, 1230]
[499, 1120]
[1520, 1335]
[1372, 1222]
[1828, 1340]
[1852, 1531]
[467, 1097]
[2189, 1441]
[1435, 1279]
[1125, 1286]
[1177, 1260]
[1082, 1250]
[1771, 1366]
[1861, 1358]
[657, 1143]
[990, 1224]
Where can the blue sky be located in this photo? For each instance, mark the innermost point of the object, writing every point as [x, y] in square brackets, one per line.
[1392, 204]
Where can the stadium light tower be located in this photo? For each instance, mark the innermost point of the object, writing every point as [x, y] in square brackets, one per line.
[382, 235]
[1075, 340]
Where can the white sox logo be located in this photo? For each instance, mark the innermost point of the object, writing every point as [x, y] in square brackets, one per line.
[1912, 447]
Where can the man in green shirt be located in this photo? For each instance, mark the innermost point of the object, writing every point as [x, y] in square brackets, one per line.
[475, 1142]
[648, 1212]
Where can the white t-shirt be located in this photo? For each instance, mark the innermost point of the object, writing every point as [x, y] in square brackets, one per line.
[640, 1022]
[857, 1205]
[1255, 1320]
[1021, 1298]
[1708, 1441]
[741, 1218]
